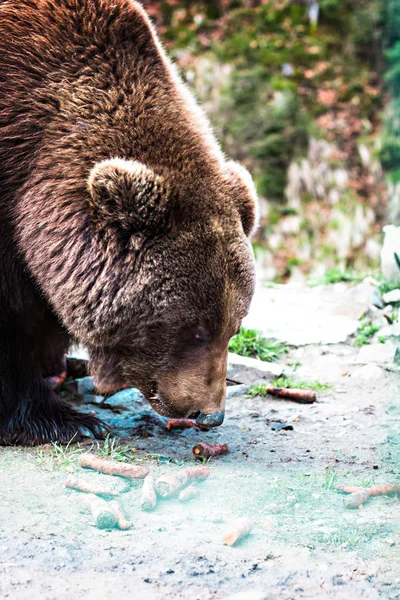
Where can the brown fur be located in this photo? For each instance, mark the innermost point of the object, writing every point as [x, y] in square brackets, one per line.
[122, 223]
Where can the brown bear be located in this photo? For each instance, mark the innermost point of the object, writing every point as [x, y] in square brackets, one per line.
[121, 221]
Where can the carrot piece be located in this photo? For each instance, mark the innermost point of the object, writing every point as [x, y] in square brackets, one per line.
[88, 487]
[103, 515]
[209, 450]
[384, 489]
[148, 496]
[356, 499]
[349, 489]
[112, 467]
[184, 424]
[122, 522]
[236, 530]
[188, 493]
[302, 396]
[168, 485]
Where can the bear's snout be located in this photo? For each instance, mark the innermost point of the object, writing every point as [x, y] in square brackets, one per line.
[197, 391]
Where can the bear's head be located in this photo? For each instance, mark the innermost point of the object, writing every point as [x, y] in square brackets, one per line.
[190, 279]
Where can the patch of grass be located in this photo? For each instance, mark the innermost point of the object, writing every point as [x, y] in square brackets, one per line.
[364, 333]
[250, 342]
[113, 450]
[337, 275]
[56, 456]
[330, 480]
[388, 286]
[260, 389]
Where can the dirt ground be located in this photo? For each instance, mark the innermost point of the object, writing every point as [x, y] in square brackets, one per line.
[304, 543]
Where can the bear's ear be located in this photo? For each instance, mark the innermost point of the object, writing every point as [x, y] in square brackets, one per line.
[129, 195]
[244, 195]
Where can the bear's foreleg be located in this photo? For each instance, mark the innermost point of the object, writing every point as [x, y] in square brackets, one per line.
[30, 412]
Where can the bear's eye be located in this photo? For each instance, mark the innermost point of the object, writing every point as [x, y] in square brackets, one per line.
[201, 336]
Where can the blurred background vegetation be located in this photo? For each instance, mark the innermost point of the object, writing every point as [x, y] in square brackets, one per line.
[306, 94]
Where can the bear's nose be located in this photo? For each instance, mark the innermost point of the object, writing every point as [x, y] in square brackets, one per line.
[212, 420]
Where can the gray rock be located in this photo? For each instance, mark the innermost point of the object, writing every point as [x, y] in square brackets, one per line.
[81, 386]
[243, 369]
[92, 399]
[236, 390]
[124, 397]
[364, 293]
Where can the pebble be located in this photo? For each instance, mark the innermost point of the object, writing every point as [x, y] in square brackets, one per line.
[243, 369]
[368, 372]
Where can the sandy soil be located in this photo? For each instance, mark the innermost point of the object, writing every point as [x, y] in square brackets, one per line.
[304, 544]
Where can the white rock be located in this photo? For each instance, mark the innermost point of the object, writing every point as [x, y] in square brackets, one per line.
[243, 369]
[376, 353]
[391, 244]
[390, 330]
[391, 297]
[253, 594]
[368, 372]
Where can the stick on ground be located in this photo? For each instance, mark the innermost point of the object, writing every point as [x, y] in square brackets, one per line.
[168, 485]
[122, 522]
[104, 517]
[297, 395]
[148, 496]
[209, 450]
[112, 467]
[184, 424]
[89, 487]
[236, 530]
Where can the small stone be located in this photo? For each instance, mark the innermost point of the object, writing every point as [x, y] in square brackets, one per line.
[92, 399]
[243, 369]
[392, 297]
[267, 525]
[125, 396]
[253, 594]
[80, 386]
[236, 390]
[368, 372]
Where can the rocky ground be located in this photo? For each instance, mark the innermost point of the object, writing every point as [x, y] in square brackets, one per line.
[304, 543]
